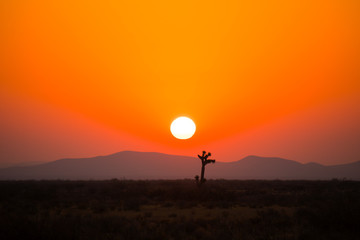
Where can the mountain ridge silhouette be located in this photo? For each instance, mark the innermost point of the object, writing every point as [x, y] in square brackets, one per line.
[154, 165]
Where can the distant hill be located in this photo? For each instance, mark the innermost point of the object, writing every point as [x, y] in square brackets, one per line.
[254, 167]
[151, 165]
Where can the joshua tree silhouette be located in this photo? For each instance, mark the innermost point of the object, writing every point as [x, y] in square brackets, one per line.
[204, 160]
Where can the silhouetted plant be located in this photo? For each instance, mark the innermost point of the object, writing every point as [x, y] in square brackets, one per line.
[197, 178]
[204, 161]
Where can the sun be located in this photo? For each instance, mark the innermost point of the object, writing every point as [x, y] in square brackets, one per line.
[183, 128]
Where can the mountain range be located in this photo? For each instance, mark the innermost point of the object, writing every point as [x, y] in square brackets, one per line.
[152, 165]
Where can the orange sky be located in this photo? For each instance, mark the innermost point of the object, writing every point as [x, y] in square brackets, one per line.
[258, 77]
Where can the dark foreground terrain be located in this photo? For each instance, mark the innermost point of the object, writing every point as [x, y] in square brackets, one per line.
[221, 209]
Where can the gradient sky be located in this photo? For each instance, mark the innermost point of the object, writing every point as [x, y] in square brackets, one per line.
[270, 78]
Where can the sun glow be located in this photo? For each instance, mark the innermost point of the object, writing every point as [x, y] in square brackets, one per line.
[183, 128]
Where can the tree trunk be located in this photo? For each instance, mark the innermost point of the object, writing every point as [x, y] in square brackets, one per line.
[202, 173]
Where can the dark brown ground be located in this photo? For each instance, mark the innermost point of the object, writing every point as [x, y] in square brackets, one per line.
[123, 209]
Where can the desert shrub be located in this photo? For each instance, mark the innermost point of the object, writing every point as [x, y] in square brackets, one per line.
[105, 209]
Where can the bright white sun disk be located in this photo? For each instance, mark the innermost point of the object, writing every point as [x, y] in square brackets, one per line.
[183, 128]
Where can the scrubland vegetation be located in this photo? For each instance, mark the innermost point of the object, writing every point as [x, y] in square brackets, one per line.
[179, 209]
